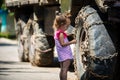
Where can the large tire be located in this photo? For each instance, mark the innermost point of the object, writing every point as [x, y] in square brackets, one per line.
[37, 55]
[94, 52]
[23, 49]
[20, 50]
[23, 43]
[41, 51]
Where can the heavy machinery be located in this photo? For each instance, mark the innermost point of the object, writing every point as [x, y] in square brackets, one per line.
[33, 25]
[97, 29]
[97, 48]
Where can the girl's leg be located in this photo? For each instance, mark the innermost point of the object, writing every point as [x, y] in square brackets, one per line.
[64, 68]
[61, 65]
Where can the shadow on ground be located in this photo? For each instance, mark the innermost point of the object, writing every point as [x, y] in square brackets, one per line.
[6, 44]
[56, 64]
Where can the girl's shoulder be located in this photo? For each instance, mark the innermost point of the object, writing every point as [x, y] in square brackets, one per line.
[57, 33]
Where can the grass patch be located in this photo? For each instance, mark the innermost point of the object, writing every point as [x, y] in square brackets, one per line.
[7, 35]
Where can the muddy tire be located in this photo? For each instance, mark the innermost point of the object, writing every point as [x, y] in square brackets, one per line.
[94, 52]
[23, 50]
[23, 43]
[37, 55]
[20, 51]
[41, 50]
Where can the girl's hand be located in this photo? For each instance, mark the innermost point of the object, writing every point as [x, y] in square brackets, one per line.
[74, 41]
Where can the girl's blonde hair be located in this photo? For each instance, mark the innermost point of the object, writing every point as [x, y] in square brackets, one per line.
[59, 21]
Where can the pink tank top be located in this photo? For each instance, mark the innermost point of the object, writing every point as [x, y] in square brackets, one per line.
[65, 52]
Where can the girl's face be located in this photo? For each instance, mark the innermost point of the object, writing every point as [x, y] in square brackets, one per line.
[64, 27]
[68, 21]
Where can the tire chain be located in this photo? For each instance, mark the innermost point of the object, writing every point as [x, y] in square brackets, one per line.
[84, 46]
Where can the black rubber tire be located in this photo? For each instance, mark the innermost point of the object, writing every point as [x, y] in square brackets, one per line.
[99, 42]
[23, 57]
[23, 44]
[78, 63]
[38, 58]
[20, 50]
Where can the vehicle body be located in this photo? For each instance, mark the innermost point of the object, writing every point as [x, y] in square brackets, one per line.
[33, 25]
[97, 29]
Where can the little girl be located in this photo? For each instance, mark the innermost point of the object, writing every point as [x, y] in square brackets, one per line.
[62, 45]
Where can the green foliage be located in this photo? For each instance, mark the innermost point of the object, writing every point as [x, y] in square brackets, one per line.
[11, 13]
[7, 35]
[65, 5]
[3, 7]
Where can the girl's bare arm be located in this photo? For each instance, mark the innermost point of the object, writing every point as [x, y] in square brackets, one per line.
[61, 39]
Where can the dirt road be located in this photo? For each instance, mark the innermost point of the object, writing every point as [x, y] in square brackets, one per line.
[12, 69]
